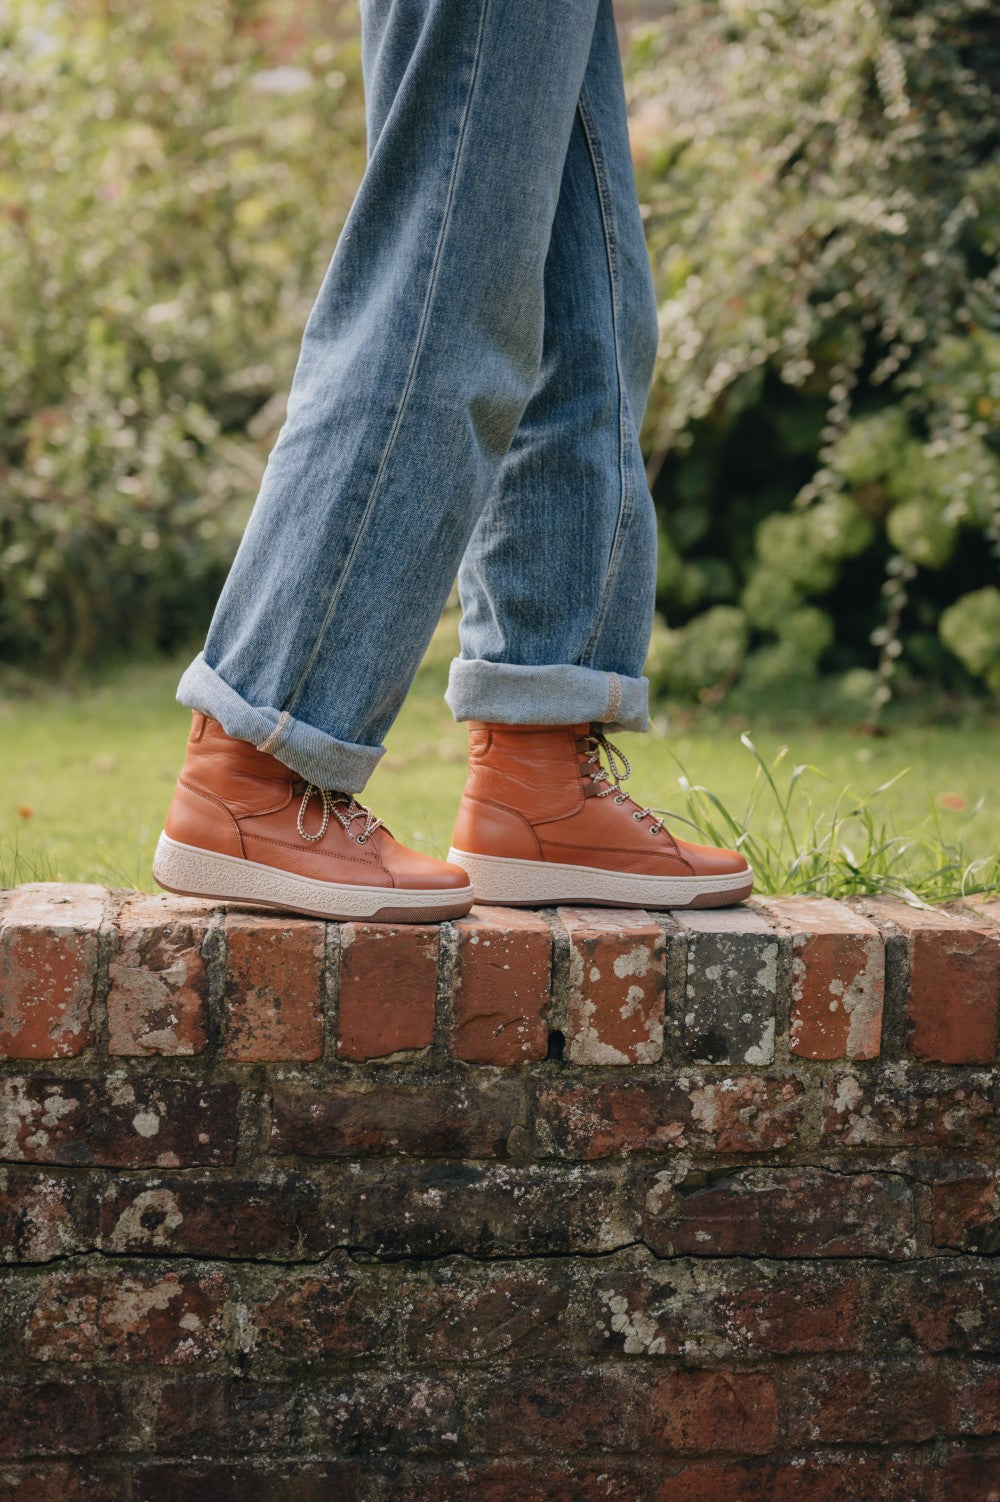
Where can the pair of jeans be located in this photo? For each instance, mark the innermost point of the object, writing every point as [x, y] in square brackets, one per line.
[466, 403]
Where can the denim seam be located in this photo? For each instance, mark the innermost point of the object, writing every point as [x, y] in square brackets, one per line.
[411, 374]
[277, 734]
[604, 198]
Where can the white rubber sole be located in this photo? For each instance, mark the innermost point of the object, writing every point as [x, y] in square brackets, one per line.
[192, 872]
[514, 883]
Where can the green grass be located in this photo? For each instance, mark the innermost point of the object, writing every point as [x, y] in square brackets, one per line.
[86, 776]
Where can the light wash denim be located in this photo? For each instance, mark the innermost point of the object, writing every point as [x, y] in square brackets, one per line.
[466, 403]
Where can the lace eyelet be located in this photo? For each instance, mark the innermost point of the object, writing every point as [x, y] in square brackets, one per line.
[362, 839]
[638, 814]
[619, 799]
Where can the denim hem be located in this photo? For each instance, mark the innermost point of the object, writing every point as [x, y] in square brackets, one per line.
[319, 758]
[557, 694]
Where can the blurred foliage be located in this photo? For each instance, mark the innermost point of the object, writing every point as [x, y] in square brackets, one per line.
[172, 180]
[821, 186]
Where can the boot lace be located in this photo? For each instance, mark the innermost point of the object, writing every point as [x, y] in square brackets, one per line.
[614, 774]
[344, 808]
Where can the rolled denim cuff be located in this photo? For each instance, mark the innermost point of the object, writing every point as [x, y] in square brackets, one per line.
[559, 694]
[319, 758]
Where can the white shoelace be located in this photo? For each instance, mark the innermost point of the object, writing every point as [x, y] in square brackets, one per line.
[332, 802]
[614, 774]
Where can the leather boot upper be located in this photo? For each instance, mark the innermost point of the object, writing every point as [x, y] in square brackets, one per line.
[239, 801]
[541, 793]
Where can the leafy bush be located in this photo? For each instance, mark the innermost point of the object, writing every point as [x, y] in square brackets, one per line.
[822, 191]
[168, 203]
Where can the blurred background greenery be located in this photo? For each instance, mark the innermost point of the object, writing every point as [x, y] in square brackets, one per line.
[821, 191]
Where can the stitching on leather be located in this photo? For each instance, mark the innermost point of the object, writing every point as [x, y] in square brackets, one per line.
[617, 850]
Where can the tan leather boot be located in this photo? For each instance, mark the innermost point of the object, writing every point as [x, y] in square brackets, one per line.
[242, 826]
[543, 821]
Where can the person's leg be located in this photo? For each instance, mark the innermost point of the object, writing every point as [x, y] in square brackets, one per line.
[418, 359]
[558, 582]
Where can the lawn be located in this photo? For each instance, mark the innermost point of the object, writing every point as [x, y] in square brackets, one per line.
[86, 776]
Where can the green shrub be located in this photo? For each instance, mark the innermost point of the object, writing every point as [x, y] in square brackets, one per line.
[821, 186]
[168, 203]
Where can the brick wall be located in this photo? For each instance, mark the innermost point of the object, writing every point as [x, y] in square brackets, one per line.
[570, 1205]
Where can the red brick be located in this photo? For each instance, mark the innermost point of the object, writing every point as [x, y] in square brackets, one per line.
[466, 1120]
[878, 1402]
[555, 1410]
[945, 1304]
[502, 987]
[912, 1108]
[965, 1477]
[702, 1411]
[550, 1480]
[838, 978]
[48, 968]
[617, 972]
[158, 998]
[388, 982]
[954, 990]
[973, 1403]
[213, 1415]
[214, 1217]
[965, 1213]
[331, 1310]
[61, 1417]
[463, 1312]
[61, 1481]
[780, 1212]
[495, 1210]
[41, 1215]
[800, 1478]
[247, 1481]
[274, 988]
[733, 1114]
[119, 1121]
[146, 1316]
[366, 1412]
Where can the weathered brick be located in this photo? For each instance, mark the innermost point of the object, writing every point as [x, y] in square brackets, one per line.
[388, 984]
[220, 1415]
[158, 997]
[502, 987]
[499, 1210]
[900, 1107]
[42, 1215]
[59, 1417]
[954, 981]
[713, 1308]
[468, 1120]
[280, 1216]
[800, 1478]
[967, 1477]
[617, 974]
[548, 1480]
[838, 978]
[460, 1312]
[972, 1405]
[274, 987]
[965, 1213]
[246, 1481]
[366, 1412]
[557, 1410]
[780, 1212]
[119, 1121]
[48, 969]
[877, 1402]
[168, 1318]
[702, 1411]
[944, 1304]
[63, 1481]
[333, 1309]
[731, 988]
[693, 1110]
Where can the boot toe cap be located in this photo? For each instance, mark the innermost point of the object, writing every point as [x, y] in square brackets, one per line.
[710, 860]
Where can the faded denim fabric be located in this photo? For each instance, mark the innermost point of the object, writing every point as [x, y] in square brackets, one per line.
[466, 402]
